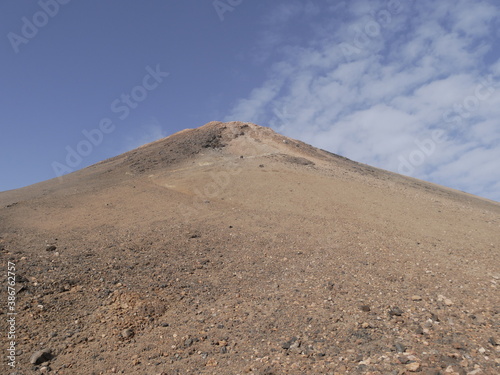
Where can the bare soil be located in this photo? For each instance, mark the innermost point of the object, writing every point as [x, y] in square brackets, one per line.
[230, 249]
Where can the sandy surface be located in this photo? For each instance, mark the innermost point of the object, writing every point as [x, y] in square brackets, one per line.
[230, 249]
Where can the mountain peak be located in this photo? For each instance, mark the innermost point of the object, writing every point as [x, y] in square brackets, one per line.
[233, 237]
[229, 139]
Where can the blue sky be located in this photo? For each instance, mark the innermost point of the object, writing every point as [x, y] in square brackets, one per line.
[408, 86]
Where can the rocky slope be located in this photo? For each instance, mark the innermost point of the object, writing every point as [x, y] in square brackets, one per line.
[230, 249]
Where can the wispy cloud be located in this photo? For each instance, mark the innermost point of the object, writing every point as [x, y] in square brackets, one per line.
[147, 132]
[383, 79]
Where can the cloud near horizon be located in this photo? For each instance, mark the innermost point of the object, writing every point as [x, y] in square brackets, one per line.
[149, 131]
[407, 86]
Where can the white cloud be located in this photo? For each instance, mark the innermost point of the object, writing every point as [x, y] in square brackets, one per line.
[147, 132]
[495, 68]
[474, 18]
[418, 72]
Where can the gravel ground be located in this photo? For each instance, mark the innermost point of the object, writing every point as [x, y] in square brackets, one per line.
[230, 249]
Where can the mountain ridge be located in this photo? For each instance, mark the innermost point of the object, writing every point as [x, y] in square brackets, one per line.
[216, 135]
